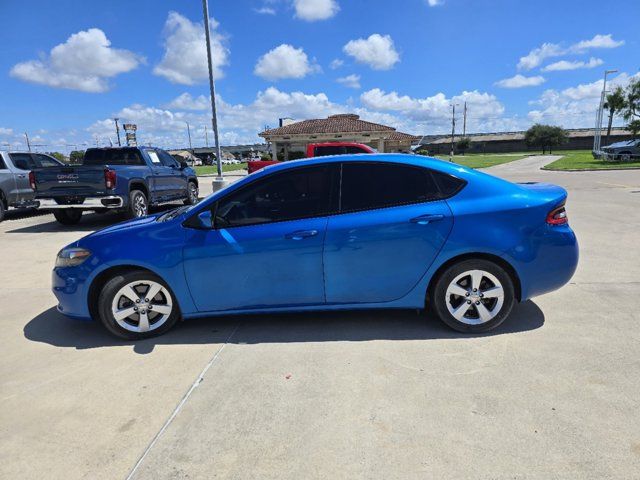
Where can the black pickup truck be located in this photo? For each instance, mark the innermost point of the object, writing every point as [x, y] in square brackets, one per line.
[124, 179]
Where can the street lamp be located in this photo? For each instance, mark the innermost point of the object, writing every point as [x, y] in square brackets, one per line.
[597, 135]
[219, 181]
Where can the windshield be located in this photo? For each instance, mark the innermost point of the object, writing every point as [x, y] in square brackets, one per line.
[115, 156]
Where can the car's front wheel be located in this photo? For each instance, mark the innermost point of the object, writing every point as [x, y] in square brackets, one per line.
[473, 296]
[192, 194]
[137, 305]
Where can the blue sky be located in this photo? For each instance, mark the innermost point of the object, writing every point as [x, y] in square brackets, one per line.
[67, 67]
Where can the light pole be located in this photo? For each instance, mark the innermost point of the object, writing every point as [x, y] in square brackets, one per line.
[212, 88]
[189, 133]
[206, 137]
[117, 131]
[453, 130]
[597, 135]
[28, 143]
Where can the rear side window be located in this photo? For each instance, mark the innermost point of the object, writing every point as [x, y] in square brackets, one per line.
[367, 186]
[2, 165]
[295, 194]
[354, 149]
[23, 161]
[449, 185]
[328, 150]
[119, 156]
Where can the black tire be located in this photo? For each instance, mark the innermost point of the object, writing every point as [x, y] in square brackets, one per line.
[138, 205]
[440, 302]
[625, 156]
[68, 216]
[192, 194]
[2, 208]
[111, 289]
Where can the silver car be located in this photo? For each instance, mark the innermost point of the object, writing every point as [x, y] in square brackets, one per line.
[15, 190]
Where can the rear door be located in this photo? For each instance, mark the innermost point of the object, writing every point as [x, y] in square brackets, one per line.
[23, 162]
[390, 229]
[7, 181]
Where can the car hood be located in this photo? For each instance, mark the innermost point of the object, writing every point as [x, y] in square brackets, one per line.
[127, 225]
[628, 143]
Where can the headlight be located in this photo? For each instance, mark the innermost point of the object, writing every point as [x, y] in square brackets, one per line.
[71, 257]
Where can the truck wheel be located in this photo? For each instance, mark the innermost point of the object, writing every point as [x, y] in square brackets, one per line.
[1, 208]
[68, 216]
[138, 205]
[192, 194]
[625, 156]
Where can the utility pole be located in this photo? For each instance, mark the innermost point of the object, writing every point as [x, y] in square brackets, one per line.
[28, 144]
[212, 88]
[597, 133]
[117, 131]
[464, 123]
[206, 137]
[453, 130]
[189, 133]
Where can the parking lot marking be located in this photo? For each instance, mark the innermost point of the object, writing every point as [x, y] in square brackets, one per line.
[181, 404]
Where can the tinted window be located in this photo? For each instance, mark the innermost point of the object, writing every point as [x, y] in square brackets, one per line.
[2, 165]
[166, 159]
[23, 161]
[448, 185]
[116, 156]
[300, 193]
[367, 186]
[354, 149]
[328, 150]
[43, 161]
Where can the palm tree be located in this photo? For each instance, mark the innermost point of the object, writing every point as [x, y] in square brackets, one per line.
[616, 102]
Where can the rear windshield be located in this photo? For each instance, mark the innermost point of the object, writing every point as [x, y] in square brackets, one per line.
[116, 156]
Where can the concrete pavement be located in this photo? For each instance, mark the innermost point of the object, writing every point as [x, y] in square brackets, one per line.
[552, 393]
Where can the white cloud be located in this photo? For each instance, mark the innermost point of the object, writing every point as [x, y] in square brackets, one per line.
[350, 81]
[313, 10]
[548, 50]
[188, 102]
[520, 81]
[336, 63]
[284, 61]
[84, 62]
[377, 51]
[185, 55]
[6, 131]
[563, 65]
[574, 107]
[265, 11]
[598, 41]
[433, 3]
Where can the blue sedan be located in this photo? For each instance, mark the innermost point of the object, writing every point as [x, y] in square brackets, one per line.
[333, 233]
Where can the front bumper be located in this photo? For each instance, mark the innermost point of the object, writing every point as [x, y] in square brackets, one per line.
[111, 201]
[70, 285]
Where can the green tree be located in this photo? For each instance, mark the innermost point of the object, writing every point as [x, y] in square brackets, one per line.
[545, 137]
[76, 156]
[632, 107]
[463, 145]
[58, 156]
[616, 102]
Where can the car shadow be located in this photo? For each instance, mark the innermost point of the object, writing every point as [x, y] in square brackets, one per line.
[53, 328]
[89, 222]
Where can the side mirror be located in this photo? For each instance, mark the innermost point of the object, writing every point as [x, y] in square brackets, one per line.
[183, 164]
[205, 220]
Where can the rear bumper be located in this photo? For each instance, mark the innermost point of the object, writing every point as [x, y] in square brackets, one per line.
[111, 201]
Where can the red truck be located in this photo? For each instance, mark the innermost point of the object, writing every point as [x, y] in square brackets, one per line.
[317, 150]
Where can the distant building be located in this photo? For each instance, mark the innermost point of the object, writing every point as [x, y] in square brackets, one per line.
[579, 139]
[294, 137]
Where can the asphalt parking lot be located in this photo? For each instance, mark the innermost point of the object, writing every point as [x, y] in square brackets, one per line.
[552, 393]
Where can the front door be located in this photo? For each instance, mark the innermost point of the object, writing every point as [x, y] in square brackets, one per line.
[266, 247]
[24, 163]
[178, 180]
[391, 229]
[162, 181]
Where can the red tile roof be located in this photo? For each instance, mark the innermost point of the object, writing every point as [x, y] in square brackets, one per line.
[342, 123]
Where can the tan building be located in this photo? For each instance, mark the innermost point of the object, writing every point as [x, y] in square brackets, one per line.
[294, 137]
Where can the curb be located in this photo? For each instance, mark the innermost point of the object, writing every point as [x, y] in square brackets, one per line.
[588, 169]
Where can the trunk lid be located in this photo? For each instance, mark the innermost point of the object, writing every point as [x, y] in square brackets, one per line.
[545, 192]
[66, 181]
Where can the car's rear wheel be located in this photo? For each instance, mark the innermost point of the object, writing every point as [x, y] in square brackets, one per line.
[192, 194]
[137, 305]
[1, 208]
[473, 296]
[625, 156]
[68, 216]
[138, 204]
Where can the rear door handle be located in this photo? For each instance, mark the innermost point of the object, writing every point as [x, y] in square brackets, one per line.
[426, 219]
[300, 234]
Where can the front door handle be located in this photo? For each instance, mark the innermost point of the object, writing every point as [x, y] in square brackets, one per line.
[300, 234]
[426, 219]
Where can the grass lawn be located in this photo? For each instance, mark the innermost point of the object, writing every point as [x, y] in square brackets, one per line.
[583, 160]
[477, 160]
[212, 169]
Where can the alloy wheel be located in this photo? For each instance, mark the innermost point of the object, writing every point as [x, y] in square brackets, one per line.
[142, 306]
[193, 193]
[140, 205]
[474, 297]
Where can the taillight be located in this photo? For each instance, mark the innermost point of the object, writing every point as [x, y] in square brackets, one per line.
[110, 179]
[557, 216]
[32, 180]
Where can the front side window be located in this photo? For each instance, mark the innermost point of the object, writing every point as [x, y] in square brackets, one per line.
[166, 159]
[290, 195]
[328, 150]
[367, 186]
[43, 161]
[355, 149]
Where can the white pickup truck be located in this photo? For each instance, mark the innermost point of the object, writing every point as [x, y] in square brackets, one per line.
[15, 190]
